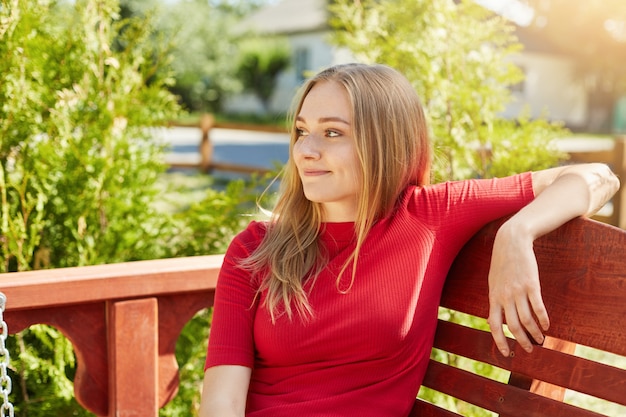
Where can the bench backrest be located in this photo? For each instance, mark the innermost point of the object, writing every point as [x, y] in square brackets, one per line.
[582, 268]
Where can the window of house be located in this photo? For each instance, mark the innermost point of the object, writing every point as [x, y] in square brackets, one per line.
[301, 61]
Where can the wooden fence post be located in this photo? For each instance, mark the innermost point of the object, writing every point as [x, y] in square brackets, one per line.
[206, 147]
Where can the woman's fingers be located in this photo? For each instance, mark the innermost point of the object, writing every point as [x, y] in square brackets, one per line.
[521, 322]
[536, 301]
[495, 325]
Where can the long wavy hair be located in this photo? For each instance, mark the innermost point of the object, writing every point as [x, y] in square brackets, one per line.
[393, 148]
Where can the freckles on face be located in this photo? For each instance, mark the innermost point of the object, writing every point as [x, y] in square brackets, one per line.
[325, 152]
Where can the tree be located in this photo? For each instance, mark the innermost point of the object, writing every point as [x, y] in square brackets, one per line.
[80, 90]
[203, 45]
[261, 60]
[76, 163]
[455, 54]
[203, 63]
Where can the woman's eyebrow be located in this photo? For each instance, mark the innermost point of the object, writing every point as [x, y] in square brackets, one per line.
[326, 120]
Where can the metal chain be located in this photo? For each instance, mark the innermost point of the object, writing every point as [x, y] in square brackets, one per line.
[6, 408]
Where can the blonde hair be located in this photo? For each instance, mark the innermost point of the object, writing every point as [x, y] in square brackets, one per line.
[393, 148]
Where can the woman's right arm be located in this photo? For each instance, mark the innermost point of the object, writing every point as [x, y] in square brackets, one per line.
[224, 391]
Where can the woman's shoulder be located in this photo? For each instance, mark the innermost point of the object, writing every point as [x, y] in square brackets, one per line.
[252, 234]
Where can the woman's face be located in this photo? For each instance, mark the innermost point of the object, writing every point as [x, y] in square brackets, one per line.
[325, 152]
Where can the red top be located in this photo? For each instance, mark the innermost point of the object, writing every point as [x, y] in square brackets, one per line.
[365, 352]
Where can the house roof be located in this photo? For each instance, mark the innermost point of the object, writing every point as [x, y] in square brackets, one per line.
[288, 16]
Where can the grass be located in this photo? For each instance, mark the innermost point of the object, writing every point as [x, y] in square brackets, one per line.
[275, 120]
[181, 188]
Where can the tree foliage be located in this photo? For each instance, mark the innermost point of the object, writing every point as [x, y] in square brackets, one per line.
[260, 62]
[204, 46]
[203, 55]
[82, 92]
[462, 74]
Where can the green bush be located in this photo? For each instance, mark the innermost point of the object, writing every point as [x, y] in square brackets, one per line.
[81, 171]
[76, 152]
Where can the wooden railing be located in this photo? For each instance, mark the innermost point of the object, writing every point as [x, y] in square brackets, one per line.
[123, 321]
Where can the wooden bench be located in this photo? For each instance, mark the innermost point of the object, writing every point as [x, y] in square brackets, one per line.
[124, 319]
[582, 268]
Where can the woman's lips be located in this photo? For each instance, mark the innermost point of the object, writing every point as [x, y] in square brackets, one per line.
[314, 172]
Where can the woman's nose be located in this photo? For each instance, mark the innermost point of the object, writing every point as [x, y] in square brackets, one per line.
[308, 147]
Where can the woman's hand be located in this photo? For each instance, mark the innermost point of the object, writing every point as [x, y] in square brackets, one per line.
[561, 194]
[514, 290]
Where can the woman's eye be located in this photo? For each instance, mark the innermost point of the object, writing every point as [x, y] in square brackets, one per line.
[328, 133]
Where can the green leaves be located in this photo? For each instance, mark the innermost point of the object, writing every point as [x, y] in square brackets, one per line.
[79, 95]
[260, 62]
[457, 55]
[77, 168]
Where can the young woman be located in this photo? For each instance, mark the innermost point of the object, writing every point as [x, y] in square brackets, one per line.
[329, 308]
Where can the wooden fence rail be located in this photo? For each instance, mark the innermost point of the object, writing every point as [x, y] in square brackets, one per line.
[205, 146]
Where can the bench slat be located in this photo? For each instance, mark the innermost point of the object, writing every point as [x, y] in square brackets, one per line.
[495, 396]
[579, 374]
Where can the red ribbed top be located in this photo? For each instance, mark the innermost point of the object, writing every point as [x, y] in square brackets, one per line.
[366, 351]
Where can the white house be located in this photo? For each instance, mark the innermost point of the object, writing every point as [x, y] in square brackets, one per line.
[550, 86]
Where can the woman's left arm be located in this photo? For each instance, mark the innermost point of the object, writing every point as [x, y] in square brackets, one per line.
[561, 194]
